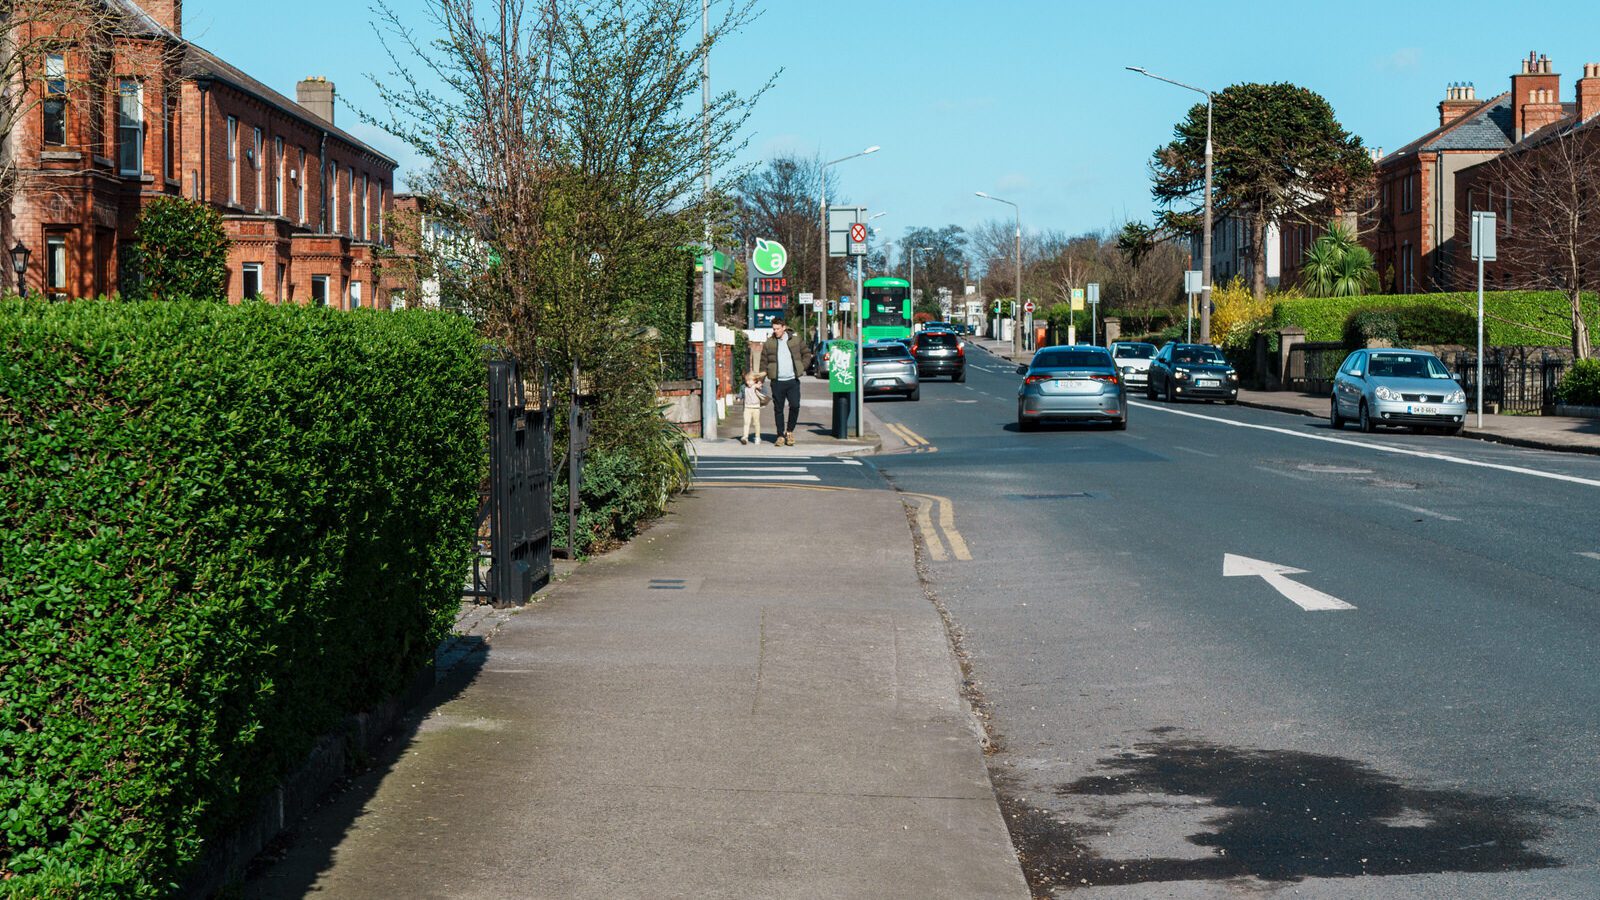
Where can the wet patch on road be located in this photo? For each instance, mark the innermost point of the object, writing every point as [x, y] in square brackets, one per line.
[1211, 812]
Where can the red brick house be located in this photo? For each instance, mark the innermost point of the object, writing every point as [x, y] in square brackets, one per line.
[155, 115]
[1418, 240]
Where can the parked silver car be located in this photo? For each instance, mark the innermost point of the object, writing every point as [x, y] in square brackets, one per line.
[888, 368]
[1397, 387]
[1078, 383]
[1133, 362]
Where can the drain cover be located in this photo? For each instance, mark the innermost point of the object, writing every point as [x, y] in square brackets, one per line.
[667, 584]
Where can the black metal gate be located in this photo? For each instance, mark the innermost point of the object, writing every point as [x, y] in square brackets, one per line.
[515, 510]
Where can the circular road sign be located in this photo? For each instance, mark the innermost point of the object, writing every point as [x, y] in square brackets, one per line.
[858, 233]
[1027, 307]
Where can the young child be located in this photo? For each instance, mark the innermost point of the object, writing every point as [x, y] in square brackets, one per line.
[751, 397]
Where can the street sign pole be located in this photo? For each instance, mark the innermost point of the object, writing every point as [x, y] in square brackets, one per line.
[861, 308]
[1483, 249]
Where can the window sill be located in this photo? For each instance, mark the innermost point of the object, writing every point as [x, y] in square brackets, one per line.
[60, 156]
[105, 161]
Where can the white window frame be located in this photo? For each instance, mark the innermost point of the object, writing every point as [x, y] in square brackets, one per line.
[355, 294]
[261, 171]
[55, 264]
[277, 175]
[277, 288]
[380, 212]
[366, 205]
[233, 160]
[315, 281]
[333, 199]
[300, 184]
[130, 127]
[55, 80]
[350, 200]
[245, 271]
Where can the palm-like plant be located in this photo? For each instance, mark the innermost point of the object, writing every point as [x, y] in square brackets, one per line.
[1335, 265]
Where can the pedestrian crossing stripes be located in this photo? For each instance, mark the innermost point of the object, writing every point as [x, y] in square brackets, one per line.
[783, 469]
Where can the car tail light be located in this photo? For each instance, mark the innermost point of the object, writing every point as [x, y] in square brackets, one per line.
[960, 352]
[915, 346]
[1109, 379]
[1033, 378]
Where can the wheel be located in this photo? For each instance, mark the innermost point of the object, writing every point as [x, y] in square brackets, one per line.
[1150, 390]
[1120, 424]
[1334, 419]
[1170, 397]
[1366, 420]
[1026, 424]
[916, 393]
[1452, 431]
[960, 376]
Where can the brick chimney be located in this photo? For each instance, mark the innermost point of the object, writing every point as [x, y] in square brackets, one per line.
[1589, 92]
[316, 95]
[1459, 99]
[1535, 96]
[167, 13]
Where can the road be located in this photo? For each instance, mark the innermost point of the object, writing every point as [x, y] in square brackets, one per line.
[1164, 729]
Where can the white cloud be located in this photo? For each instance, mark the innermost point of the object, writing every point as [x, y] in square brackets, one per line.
[1406, 59]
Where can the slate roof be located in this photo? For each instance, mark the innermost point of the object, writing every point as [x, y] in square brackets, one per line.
[1487, 127]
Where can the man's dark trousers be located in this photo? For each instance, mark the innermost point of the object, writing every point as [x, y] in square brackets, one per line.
[785, 394]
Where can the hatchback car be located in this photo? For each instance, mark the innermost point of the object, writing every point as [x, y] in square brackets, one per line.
[887, 368]
[939, 353]
[1072, 383]
[1397, 387]
[1133, 362]
[1192, 372]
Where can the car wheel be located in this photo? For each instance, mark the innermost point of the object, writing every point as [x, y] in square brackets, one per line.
[1150, 390]
[1366, 419]
[1453, 431]
[1170, 397]
[1120, 424]
[960, 376]
[1334, 419]
[916, 393]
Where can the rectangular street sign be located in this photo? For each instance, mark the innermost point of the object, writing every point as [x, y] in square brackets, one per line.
[844, 304]
[840, 218]
[805, 298]
[1483, 237]
[1077, 298]
[1191, 282]
[1094, 293]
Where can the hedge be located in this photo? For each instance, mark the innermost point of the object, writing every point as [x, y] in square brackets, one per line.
[1410, 326]
[221, 530]
[1581, 385]
[1508, 312]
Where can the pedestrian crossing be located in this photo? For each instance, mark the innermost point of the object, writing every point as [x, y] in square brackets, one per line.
[793, 469]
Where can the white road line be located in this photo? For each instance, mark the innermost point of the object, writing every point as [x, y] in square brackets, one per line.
[1304, 596]
[1589, 554]
[1194, 451]
[750, 468]
[1421, 512]
[768, 478]
[1295, 475]
[775, 461]
[1401, 451]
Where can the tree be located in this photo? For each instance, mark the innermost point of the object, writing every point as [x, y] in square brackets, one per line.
[180, 252]
[778, 201]
[942, 265]
[1555, 240]
[1336, 265]
[1280, 155]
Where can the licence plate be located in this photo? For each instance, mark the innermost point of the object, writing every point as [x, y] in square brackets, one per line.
[1207, 382]
[1423, 410]
[876, 382]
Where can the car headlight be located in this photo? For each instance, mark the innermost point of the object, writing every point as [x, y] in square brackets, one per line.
[1232, 375]
[1386, 394]
[1180, 374]
[1457, 397]
[1127, 368]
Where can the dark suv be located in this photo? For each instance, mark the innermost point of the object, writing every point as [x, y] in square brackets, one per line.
[939, 353]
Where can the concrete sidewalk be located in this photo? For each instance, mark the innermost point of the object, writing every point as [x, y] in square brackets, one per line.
[695, 715]
[812, 436]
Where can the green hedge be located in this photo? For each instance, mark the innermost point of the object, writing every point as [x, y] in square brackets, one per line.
[222, 529]
[1549, 312]
[1581, 385]
[1410, 326]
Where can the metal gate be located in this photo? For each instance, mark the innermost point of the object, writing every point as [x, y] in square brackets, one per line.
[515, 510]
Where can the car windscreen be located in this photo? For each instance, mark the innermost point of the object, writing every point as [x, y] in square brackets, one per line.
[1134, 351]
[1198, 356]
[1405, 365]
[1072, 359]
[886, 351]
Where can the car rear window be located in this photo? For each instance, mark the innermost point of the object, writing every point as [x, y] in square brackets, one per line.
[1073, 359]
[937, 340]
[1135, 351]
[886, 351]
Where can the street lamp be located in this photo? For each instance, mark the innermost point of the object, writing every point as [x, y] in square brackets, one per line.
[1016, 305]
[822, 204]
[1205, 240]
[19, 264]
[912, 252]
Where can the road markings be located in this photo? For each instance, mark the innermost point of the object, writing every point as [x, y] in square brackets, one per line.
[772, 484]
[1421, 512]
[1400, 451]
[936, 520]
[916, 443]
[717, 467]
[1194, 451]
[1307, 598]
[1588, 553]
[778, 477]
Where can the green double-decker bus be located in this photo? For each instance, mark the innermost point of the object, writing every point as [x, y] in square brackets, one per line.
[887, 305]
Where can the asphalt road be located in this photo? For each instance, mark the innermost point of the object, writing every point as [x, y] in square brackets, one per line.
[1166, 730]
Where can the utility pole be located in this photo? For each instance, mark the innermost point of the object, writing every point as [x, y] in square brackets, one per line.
[1016, 304]
[708, 300]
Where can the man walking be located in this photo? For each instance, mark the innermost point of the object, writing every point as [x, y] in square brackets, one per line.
[784, 356]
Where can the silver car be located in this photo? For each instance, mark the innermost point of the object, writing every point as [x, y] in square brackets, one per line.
[887, 368]
[1133, 361]
[1072, 383]
[1397, 387]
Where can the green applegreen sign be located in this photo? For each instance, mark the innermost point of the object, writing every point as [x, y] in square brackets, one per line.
[770, 257]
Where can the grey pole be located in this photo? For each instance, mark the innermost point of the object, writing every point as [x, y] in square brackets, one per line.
[708, 305]
[1016, 304]
[1205, 240]
[822, 204]
[861, 309]
[1477, 224]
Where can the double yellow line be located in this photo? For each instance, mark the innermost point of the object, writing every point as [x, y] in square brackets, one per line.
[916, 442]
[936, 520]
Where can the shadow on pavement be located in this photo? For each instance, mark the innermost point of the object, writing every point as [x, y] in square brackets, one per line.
[1276, 815]
[291, 863]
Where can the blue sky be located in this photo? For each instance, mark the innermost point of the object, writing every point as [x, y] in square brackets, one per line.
[1025, 99]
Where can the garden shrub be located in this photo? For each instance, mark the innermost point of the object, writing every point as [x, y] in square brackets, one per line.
[1513, 318]
[1410, 326]
[180, 252]
[1581, 385]
[224, 528]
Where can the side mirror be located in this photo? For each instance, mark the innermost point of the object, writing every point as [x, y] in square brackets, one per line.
[1022, 370]
[1355, 373]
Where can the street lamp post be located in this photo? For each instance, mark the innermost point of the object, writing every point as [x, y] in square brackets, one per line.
[912, 252]
[19, 265]
[1205, 240]
[1016, 305]
[822, 206]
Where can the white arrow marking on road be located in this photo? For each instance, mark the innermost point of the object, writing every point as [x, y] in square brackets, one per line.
[1307, 598]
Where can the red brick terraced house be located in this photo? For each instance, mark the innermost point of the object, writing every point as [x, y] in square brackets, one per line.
[111, 128]
[1419, 241]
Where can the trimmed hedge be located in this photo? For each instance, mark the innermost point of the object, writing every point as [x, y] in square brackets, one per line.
[1410, 326]
[221, 530]
[1581, 385]
[1549, 312]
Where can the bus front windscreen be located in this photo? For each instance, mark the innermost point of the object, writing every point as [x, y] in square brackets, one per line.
[886, 306]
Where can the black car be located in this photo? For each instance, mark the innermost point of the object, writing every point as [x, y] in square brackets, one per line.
[1192, 372]
[939, 353]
